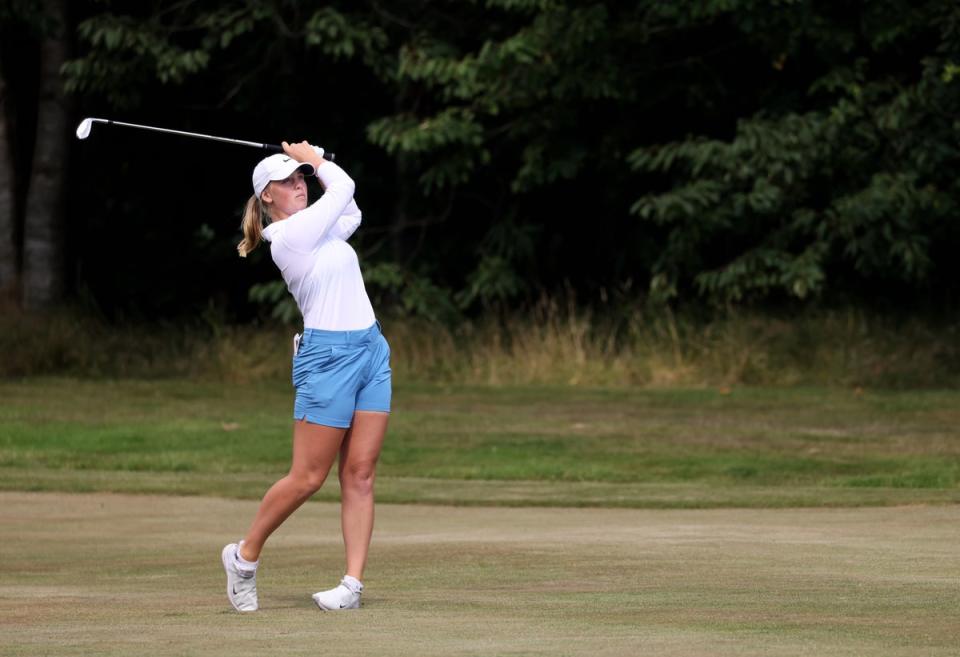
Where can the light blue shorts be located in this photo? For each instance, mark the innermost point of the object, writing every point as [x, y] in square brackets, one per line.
[339, 372]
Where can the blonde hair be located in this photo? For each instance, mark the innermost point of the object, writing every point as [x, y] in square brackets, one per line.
[252, 226]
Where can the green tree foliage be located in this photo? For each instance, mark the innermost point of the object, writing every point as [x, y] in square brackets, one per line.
[856, 179]
[522, 86]
[732, 150]
[172, 41]
[501, 105]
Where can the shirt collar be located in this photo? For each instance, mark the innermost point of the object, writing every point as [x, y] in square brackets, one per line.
[269, 231]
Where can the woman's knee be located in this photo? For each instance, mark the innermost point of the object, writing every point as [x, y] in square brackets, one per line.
[357, 478]
[309, 481]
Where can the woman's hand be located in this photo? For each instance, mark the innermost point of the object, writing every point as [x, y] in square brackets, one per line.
[303, 152]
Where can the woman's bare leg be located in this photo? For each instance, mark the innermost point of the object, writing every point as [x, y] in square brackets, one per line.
[358, 461]
[315, 447]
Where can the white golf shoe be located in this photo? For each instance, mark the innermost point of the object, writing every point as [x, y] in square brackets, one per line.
[344, 596]
[241, 586]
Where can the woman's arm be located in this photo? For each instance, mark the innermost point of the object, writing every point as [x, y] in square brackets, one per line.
[348, 222]
[306, 229]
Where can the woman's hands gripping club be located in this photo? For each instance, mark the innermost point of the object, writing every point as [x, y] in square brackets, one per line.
[304, 152]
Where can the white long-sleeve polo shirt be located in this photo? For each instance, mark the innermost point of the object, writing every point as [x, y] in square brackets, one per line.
[321, 270]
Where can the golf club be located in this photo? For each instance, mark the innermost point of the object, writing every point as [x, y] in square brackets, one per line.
[86, 126]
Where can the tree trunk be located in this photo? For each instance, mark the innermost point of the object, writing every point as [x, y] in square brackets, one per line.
[8, 248]
[43, 262]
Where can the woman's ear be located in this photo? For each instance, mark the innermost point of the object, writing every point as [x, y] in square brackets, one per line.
[265, 194]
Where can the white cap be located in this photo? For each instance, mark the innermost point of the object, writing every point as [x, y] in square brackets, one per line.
[277, 167]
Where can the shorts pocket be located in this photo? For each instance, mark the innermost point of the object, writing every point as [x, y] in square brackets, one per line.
[310, 360]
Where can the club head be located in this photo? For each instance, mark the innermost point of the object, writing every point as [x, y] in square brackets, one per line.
[83, 130]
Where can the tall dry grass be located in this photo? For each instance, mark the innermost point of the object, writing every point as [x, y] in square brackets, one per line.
[560, 344]
[71, 344]
[552, 343]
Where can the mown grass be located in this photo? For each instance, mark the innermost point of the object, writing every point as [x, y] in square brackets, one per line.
[621, 447]
[110, 574]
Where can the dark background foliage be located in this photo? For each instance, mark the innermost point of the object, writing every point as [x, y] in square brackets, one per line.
[718, 153]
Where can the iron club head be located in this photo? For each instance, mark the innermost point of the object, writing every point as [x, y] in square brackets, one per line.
[83, 130]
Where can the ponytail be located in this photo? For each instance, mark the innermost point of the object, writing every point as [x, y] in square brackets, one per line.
[252, 226]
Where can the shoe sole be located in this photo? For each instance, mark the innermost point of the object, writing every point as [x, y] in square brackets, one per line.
[224, 557]
[323, 608]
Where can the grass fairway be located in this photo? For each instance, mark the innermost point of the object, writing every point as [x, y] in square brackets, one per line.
[505, 446]
[89, 570]
[107, 574]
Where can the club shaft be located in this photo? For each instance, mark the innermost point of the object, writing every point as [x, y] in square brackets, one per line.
[183, 133]
[83, 130]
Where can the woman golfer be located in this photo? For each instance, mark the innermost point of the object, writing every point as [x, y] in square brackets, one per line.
[341, 364]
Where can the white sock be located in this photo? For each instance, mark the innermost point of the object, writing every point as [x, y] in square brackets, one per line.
[244, 566]
[352, 583]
